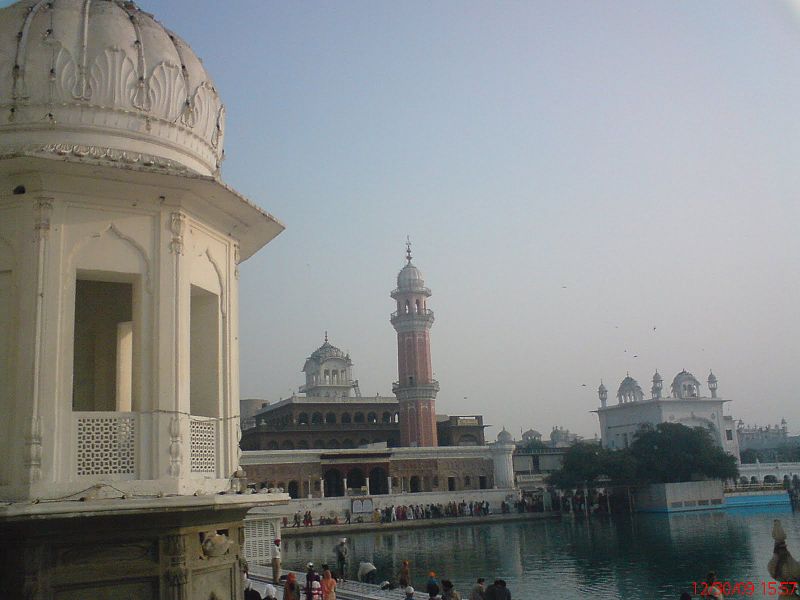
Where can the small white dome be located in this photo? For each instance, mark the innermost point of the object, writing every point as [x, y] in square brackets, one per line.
[104, 81]
[410, 278]
[504, 437]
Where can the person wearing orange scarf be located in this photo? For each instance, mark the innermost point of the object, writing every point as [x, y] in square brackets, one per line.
[328, 586]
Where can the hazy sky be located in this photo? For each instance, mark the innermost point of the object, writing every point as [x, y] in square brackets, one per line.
[590, 187]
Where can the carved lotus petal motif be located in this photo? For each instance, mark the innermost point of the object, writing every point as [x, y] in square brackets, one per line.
[205, 108]
[112, 79]
[167, 91]
[66, 75]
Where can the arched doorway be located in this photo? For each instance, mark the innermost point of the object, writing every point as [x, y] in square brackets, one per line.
[356, 479]
[415, 485]
[334, 485]
[378, 481]
[293, 490]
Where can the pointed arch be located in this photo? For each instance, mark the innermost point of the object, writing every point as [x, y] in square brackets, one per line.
[111, 228]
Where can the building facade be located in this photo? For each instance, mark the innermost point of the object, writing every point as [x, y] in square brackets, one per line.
[685, 404]
[334, 415]
[119, 254]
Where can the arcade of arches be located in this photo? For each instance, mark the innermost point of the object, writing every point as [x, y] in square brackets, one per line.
[329, 477]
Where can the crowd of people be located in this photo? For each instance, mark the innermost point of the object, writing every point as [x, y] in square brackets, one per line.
[431, 511]
[405, 512]
[321, 585]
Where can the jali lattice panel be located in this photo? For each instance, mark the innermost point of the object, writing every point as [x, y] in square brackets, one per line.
[259, 534]
[106, 445]
[204, 445]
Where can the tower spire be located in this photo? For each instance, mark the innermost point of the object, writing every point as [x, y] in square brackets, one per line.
[408, 248]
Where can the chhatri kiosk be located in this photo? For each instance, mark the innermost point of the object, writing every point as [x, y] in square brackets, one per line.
[119, 253]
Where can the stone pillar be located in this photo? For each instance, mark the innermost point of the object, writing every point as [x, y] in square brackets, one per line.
[503, 465]
[176, 574]
[310, 488]
[345, 485]
[389, 481]
[321, 487]
[367, 486]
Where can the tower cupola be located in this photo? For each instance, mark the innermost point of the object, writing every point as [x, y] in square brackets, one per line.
[602, 393]
[658, 384]
[712, 384]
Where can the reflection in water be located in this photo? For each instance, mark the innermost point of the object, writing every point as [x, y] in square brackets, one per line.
[647, 556]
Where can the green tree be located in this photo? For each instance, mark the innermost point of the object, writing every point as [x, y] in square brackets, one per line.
[672, 452]
[583, 464]
[667, 453]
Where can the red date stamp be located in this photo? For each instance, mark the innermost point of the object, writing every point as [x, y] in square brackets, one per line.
[705, 589]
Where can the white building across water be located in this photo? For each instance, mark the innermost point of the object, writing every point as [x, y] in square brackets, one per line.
[685, 404]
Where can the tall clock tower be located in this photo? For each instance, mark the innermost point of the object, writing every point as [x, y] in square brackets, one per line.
[415, 389]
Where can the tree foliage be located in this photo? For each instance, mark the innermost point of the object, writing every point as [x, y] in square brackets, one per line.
[668, 453]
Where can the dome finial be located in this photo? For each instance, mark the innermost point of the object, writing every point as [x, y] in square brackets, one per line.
[326, 336]
[408, 248]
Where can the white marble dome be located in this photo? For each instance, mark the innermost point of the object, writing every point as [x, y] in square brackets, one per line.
[504, 437]
[104, 80]
[410, 278]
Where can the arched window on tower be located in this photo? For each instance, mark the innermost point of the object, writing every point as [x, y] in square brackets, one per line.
[372, 418]
[418, 311]
[408, 307]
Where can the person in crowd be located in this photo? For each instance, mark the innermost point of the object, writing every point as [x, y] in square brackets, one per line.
[316, 590]
[448, 592]
[341, 558]
[495, 591]
[404, 577]
[432, 587]
[270, 593]
[311, 577]
[367, 572]
[478, 590]
[409, 592]
[291, 589]
[249, 592]
[328, 586]
[296, 520]
[276, 560]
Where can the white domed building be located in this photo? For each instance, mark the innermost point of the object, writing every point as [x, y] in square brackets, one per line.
[119, 253]
[687, 405]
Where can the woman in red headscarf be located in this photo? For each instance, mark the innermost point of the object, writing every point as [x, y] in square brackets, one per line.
[291, 591]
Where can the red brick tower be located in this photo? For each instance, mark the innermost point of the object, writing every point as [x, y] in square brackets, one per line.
[415, 389]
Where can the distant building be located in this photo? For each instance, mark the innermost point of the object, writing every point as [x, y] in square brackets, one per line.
[562, 438]
[765, 438]
[332, 414]
[333, 441]
[620, 422]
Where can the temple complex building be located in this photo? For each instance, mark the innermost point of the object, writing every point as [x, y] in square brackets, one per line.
[331, 441]
[685, 404]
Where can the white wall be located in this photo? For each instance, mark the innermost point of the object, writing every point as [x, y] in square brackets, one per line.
[323, 506]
